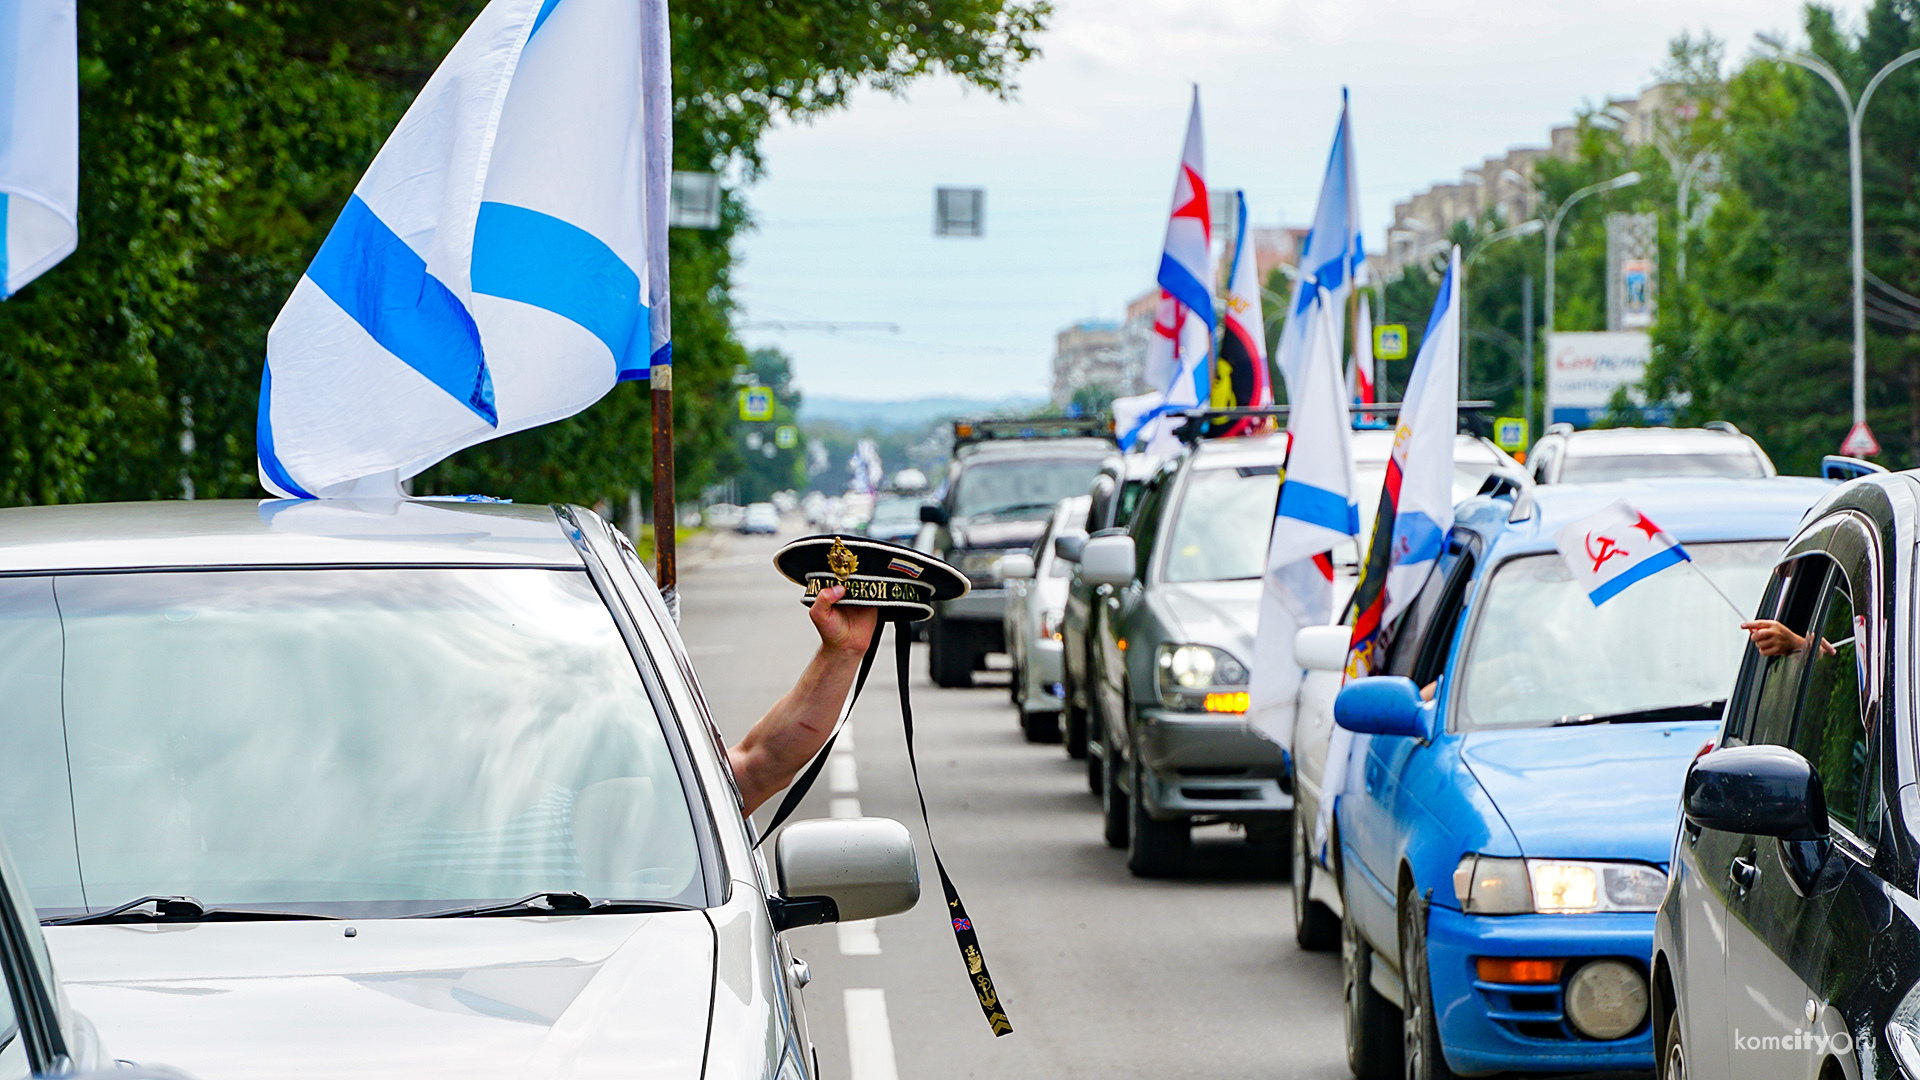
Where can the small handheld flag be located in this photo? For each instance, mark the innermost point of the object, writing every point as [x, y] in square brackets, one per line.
[1619, 547]
[39, 139]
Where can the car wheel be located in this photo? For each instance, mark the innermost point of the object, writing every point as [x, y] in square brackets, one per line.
[1096, 765]
[1314, 927]
[1016, 687]
[1419, 1026]
[1673, 1060]
[1040, 727]
[1155, 848]
[949, 654]
[1372, 1023]
[1113, 801]
[1075, 721]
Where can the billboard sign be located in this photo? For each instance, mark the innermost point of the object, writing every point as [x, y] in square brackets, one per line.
[1585, 369]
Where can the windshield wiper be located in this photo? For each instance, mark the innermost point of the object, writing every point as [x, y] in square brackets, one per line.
[1016, 508]
[176, 909]
[1701, 710]
[551, 903]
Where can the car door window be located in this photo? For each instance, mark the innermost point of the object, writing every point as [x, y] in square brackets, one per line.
[1403, 646]
[1776, 688]
[1146, 524]
[1829, 730]
[13, 1049]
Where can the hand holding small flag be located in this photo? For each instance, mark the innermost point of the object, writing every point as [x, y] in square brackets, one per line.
[1620, 546]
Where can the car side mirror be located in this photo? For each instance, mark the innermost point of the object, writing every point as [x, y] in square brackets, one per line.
[1381, 705]
[1015, 567]
[1068, 545]
[1107, 560]
[842, 869]
[933, 514]
[1322, 648]
[1756, 791]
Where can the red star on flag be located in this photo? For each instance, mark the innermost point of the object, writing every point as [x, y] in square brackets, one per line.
[1646, 525]
[1196, 205]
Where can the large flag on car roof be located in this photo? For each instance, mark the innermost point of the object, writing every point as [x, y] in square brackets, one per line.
[1314, 514]
[1332, 256]
[1240, 378]
[39, 139]
[1180, 349]
[1416, 502]
[500, 264]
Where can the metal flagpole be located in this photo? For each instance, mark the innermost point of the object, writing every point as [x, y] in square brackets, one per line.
[657, 60]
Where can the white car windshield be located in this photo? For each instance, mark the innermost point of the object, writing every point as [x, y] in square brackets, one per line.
[359, 742]
[1541, 650]
[1596, 468]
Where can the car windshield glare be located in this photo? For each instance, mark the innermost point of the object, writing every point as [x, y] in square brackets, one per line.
[1023, 487]
[1599, 468]
[1225, 521]
[1542, 651]
[355, 742]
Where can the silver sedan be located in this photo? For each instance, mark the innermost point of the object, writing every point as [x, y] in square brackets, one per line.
[330, 789]
[1036, 603]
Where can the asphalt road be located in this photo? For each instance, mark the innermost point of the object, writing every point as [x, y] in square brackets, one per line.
[1102, 974]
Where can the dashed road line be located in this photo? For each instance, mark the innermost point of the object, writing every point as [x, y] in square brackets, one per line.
[869, 1037]
[858, 938]
[844, 808]
[840, 774]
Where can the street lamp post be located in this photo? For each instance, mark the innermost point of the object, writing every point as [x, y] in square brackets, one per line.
[1684, 173]
[1854, 110]
[1626, 179]
[1525, 228]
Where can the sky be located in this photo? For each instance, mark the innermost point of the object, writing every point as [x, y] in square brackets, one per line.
[1079, 167]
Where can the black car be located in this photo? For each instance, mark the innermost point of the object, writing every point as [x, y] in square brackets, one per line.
[1788, 943]
[1002, 486]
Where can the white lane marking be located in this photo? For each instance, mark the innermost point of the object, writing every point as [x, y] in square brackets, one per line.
[844, 808]
[869, 1038]
[858, 938]
[844, 744]
[840, 774]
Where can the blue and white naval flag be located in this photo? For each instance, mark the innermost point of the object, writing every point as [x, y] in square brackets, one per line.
[39, 139]
[492, 271]
[1315, 513]
[1615, 548]
[1180, 350]
[1331, 258]
[1422, 457]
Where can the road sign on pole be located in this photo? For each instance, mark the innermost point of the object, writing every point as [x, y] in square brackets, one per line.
[1390, 342]
[1510, 433]
[1860, 442]
[786, 436]
[756, 403]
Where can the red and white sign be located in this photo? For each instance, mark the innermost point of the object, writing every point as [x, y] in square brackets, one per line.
[1860, 442]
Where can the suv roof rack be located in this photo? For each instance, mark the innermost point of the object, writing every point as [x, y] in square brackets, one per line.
[967, 432]
[1190, 432]
[1721, 425]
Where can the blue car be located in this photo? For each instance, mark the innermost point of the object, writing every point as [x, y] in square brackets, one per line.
[1512, 790]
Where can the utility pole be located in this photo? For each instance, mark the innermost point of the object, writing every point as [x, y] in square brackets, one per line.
[1526, 338]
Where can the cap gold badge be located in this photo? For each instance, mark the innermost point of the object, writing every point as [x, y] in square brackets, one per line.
[841, 560]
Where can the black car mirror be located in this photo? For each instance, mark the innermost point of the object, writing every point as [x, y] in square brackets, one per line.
[1069, 545]
[1381, 705]
[1756, 791]
[933, 514]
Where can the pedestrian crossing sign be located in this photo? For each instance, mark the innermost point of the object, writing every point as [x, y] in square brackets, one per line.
[1390, 342]
[756, 403]
[1510, 433]
[786, 436]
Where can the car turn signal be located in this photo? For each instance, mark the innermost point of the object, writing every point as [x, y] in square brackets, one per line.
[1235, 702]
[1514, 971]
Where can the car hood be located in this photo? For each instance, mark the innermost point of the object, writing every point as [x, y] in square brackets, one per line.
[998, 534]
[1224, 614]
[1609, 791]
[536, 997]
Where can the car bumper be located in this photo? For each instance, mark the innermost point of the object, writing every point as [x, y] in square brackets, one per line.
[979, 605]
[1490, 1027]
[1198, 763]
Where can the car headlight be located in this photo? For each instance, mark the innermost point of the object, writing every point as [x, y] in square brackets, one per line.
[1200, 678]
[1050, 624]
[979, 565]
[1486, 885]
[1903, 1034]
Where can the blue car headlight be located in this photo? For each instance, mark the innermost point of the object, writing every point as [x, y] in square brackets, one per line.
[1486, 885]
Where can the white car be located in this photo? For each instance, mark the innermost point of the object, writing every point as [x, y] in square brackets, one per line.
[394, 788]
[761, 517]
[1036, 582]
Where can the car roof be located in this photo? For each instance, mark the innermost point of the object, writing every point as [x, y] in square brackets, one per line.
[1369, 445]
[1692, 509]
[1608, 441]
[280, 532]
[1033, 448]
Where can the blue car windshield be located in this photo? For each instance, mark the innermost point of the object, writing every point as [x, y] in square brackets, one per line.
[353, 742]
[1542, 651]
